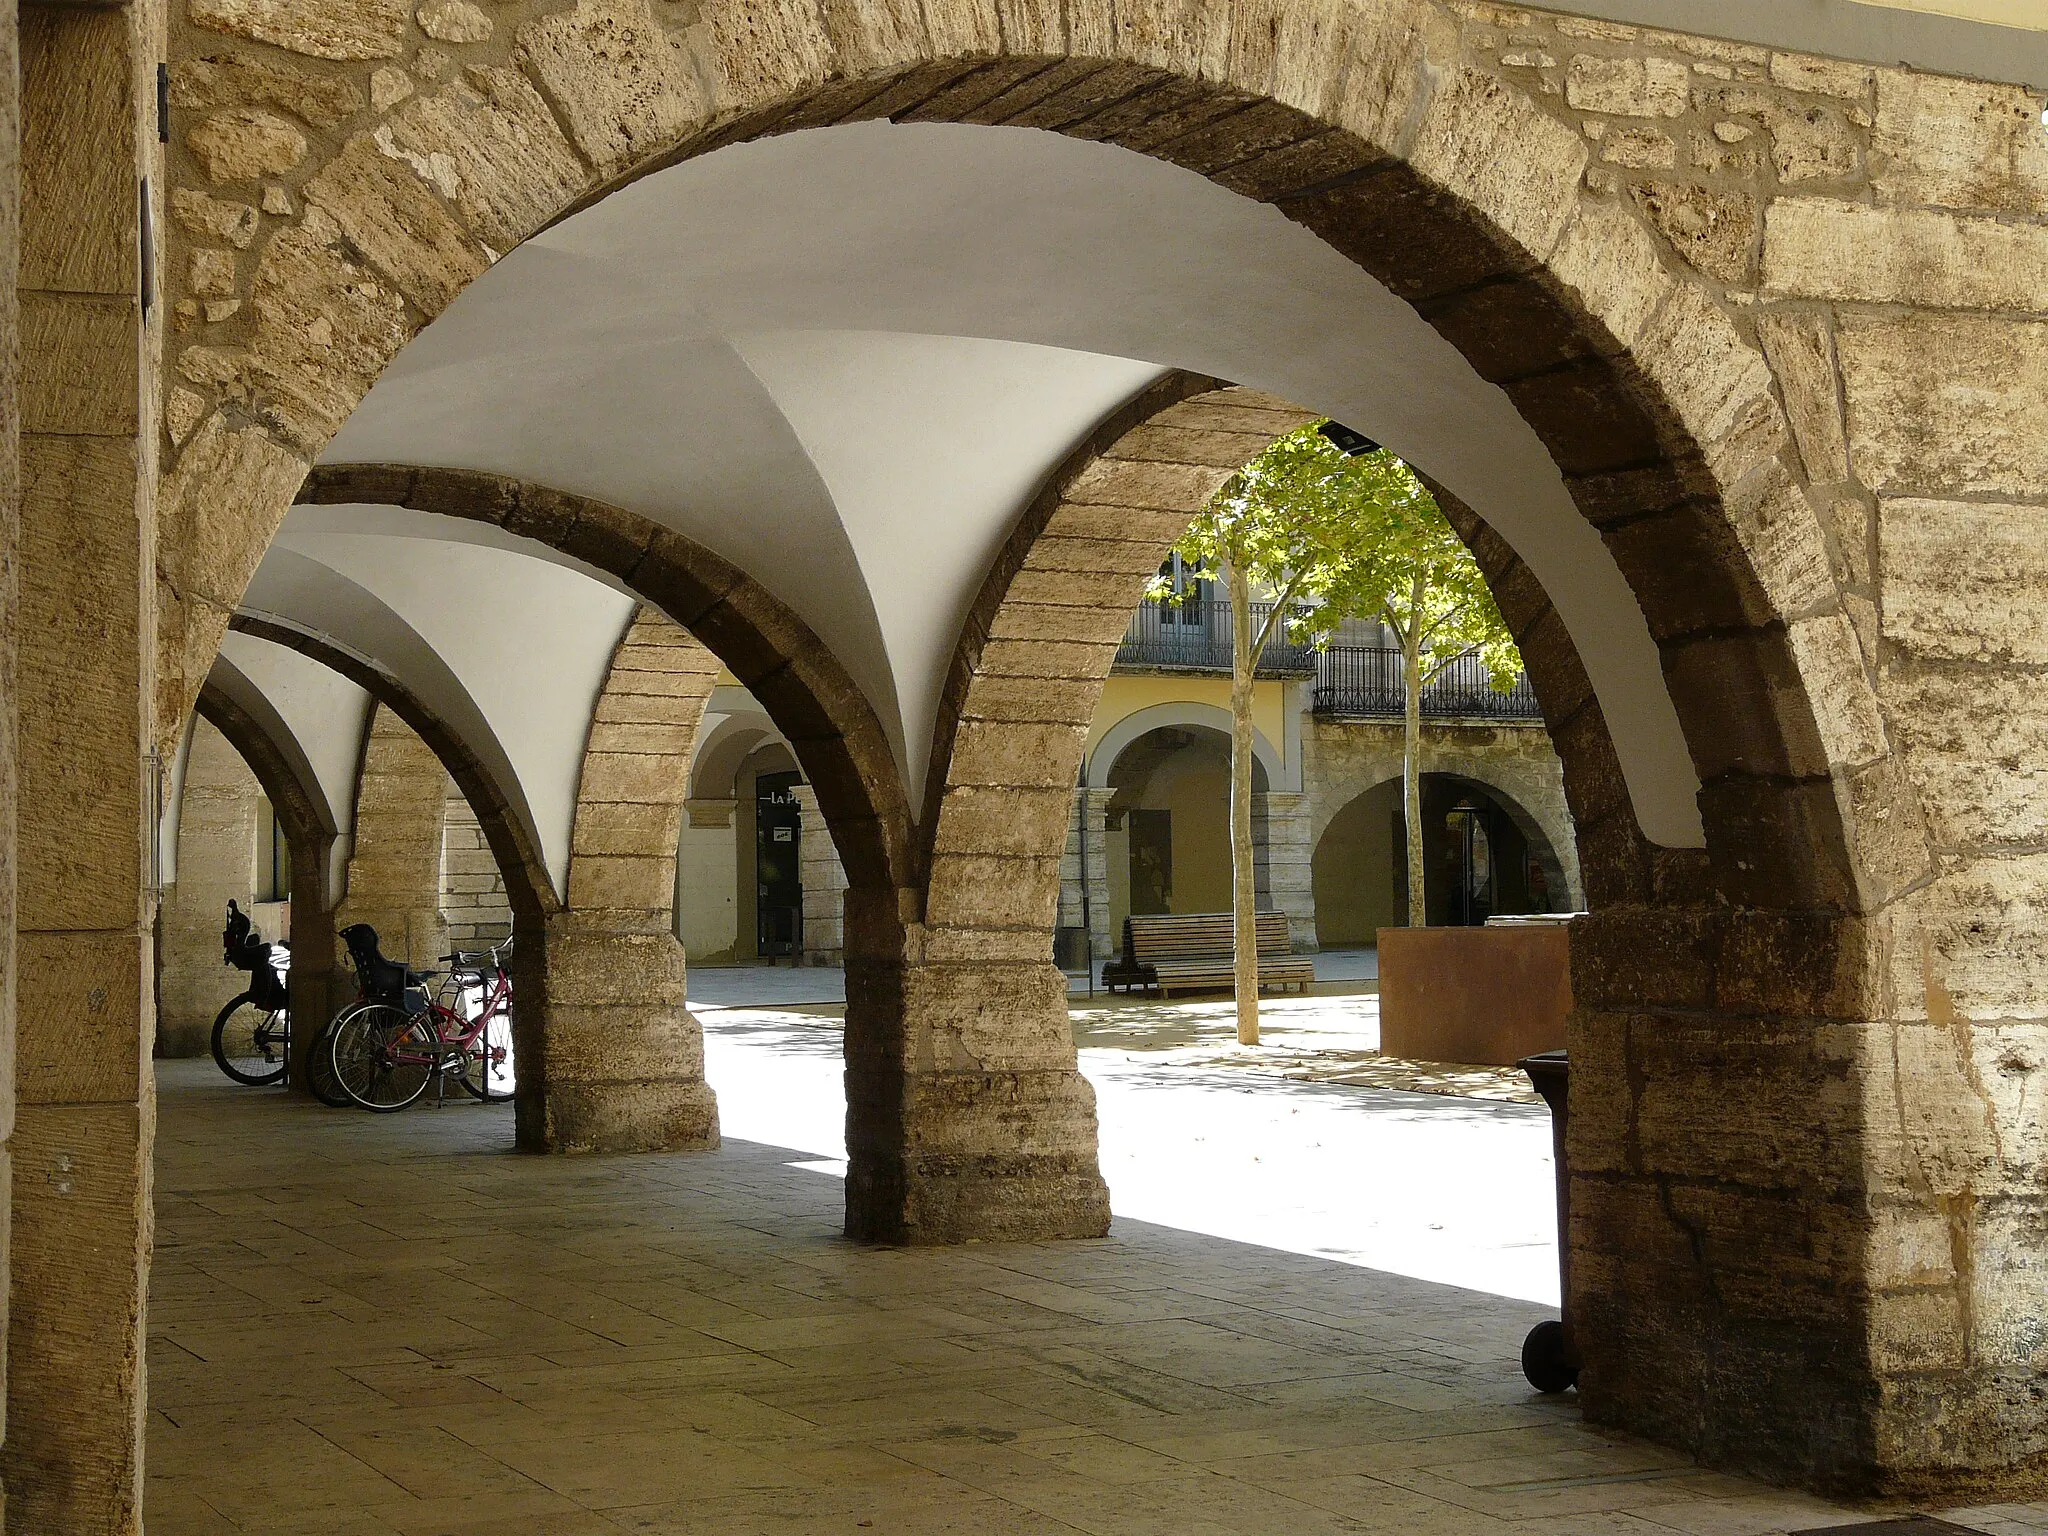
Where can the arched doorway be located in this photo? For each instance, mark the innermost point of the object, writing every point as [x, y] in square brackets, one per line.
[1484, 855]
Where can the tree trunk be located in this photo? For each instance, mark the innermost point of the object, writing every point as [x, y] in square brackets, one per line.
[1243, 876]
[1411, 761]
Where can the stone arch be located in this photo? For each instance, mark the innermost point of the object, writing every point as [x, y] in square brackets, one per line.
[724, 748]
[254, 729]
[527, 886]
[1155, 717]
[819, 710]
[1409, 144]
[611, 1059]
[1551, 843]
[1648, 395]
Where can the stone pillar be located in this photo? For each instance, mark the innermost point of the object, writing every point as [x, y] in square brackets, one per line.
[80, 1192]
[610, 1057]
[1283, 850]
[966, 1118]
[394, 870]
[318, 989]
[218, 825]
[824, 885]
[1089, 844]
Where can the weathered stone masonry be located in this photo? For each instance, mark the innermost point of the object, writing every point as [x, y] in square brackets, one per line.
[1796, 376]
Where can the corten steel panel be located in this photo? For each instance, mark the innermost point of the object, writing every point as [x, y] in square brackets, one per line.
[1481, 995]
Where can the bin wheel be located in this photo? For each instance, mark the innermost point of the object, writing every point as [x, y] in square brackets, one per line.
[1543, 1359]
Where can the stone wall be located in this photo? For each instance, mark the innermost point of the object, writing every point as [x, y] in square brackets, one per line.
[394, 868]
[474, 905]
[218, 826]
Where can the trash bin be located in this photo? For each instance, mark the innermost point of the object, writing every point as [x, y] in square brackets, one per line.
[1550, 1355]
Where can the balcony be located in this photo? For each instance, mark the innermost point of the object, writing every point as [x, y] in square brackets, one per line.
[1195, 637]
[1365, 682]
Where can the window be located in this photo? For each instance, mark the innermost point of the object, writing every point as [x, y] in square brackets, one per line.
[273, 857]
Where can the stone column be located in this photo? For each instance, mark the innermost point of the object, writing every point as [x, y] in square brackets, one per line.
[1283, 853]
[966, 1118]
[217, 832]
[394, 869]
[1093, 843]
[610, 1057]
[824, 885]
[80, 1191]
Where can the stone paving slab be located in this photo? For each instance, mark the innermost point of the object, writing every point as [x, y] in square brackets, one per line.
[396, 1326]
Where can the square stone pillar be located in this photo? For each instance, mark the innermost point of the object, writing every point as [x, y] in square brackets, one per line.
[1282, 856]
[824, 881]
[1090, 842]
[966, 1117]
[80, 1145]
[610, 1058]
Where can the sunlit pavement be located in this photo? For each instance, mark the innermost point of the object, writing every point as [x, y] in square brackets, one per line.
[1206, 1136]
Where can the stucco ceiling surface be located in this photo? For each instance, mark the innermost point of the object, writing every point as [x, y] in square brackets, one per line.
[323, 712]
[508, 649]
[844, 359]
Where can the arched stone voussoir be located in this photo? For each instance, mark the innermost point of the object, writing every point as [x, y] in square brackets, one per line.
[527, 886]
[830, 725]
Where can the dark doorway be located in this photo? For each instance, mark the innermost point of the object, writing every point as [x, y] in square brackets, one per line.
[1151, 860]
[778, 873]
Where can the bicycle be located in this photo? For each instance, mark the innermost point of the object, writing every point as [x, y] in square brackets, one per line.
[385, 1052]
[252, 1035]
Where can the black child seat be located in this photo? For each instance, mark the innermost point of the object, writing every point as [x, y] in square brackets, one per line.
[243, 947]
[382, 980]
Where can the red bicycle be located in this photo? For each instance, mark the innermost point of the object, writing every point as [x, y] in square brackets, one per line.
[386, 1051]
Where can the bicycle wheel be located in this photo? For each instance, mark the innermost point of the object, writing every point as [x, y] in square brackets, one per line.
[382, 1059]
[489, 1073]
[252, 1044]
[320, 1079]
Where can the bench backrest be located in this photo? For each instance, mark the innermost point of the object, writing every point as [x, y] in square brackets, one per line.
[1158, 936]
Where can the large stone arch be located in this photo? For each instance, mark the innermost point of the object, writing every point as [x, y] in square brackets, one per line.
[1406, 137]
[527, 886]
[819, 710]
[1637, 379]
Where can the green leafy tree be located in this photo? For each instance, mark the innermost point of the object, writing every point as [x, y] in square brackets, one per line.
[1328, 537]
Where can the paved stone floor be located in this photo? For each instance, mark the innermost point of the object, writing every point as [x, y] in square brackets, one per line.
[374, 1325]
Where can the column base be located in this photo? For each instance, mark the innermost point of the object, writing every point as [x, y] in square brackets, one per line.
[623, 1117]
[982, 1157]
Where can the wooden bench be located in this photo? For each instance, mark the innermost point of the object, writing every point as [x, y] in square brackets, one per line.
[1192, 951]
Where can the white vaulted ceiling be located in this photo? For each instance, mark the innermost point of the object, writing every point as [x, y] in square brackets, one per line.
[845, 360]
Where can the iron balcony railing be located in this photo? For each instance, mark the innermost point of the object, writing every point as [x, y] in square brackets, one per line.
[1195, 637]
[1366, 680]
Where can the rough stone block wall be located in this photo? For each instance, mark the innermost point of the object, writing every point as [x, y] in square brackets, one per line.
[80, 1089]
[394, 869]
[217, 856]
[474, 905]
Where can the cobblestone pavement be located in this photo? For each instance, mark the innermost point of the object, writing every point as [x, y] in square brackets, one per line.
[395, 1326]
